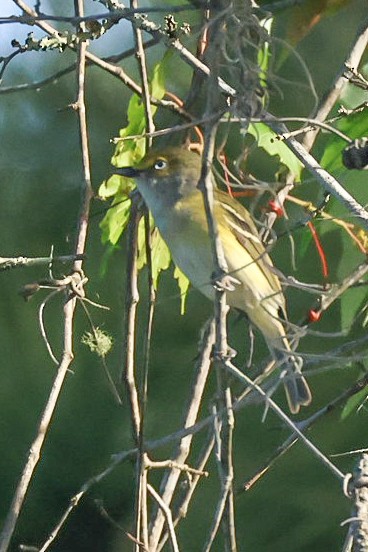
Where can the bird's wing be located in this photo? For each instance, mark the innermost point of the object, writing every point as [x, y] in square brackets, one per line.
[240, 223]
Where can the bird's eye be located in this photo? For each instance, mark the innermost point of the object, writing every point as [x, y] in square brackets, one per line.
[160, 164]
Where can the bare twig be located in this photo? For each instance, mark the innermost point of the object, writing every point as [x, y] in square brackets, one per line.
[42, 325]
[36, 446]
[338, 289]
[328, 101]
[6, 263]
[225, 511]
[328, 182]
[358, 491]
[167, 513]
[115, 15]
[67, 357]
[83, 134]
[304, 426]
[281, 414]
[141, 503]
[179, 456]
[131, 301]
[225, 505]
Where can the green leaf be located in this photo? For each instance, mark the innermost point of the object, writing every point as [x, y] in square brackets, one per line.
[141, 245]
[351, 304]
[304, 243]
[106, 258]
[161, 257]
[268, 140]
[158, 81]
[183, 284]
[128, 153]
[115, 185]
[160, 254]
[354, 126]
[116, 219]
[354, 403]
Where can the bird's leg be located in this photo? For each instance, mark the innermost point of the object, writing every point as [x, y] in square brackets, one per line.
[224, 281]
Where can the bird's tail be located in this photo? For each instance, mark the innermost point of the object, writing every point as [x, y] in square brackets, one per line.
[297, 389]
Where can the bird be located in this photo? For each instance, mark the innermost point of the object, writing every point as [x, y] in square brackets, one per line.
[167, 179]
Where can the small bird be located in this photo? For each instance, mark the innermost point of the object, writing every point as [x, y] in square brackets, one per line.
[167, 180]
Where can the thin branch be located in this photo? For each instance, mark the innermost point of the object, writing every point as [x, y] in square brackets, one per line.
[358, 491]
[171, 478]
[77, 280]
[281, 414]
[131, 302]
[34, 453]
[83, 135]
[328, 101]
[182, 503]
[338, 289]
[115, 15]
[142, 476]
[6, 263]
[328, 182]
[224, 493]
[304, 426]
[167, 514]
[42, 325]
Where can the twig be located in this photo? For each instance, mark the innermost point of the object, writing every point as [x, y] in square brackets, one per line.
[36, 446]
[225, 505]
[181, 506]
[328, 182]
[115, 15]
[179, 456]
[164, 464]
[131, 301]
[225, 510]
[167, 513]
[141, 502]
[83, 134]
[313, 210]
[67, 357]
[221, 504]
[182, 502]
[42, 325]
[303, 426]
[328, 101]
[338, 289]
[281, 414]
[358, 491]
[6, 263]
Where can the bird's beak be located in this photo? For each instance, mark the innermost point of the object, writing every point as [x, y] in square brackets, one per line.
[129, 172]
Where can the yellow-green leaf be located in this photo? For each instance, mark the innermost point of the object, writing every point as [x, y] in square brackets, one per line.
[183, 284]
[114, 222]
[161, 257]
[267, 139]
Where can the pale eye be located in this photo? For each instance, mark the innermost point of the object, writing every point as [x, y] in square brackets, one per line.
[160, 164]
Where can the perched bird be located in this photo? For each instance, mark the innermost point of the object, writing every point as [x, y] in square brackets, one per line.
[167, 179]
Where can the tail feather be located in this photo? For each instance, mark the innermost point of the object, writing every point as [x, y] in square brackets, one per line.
[297, 391]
